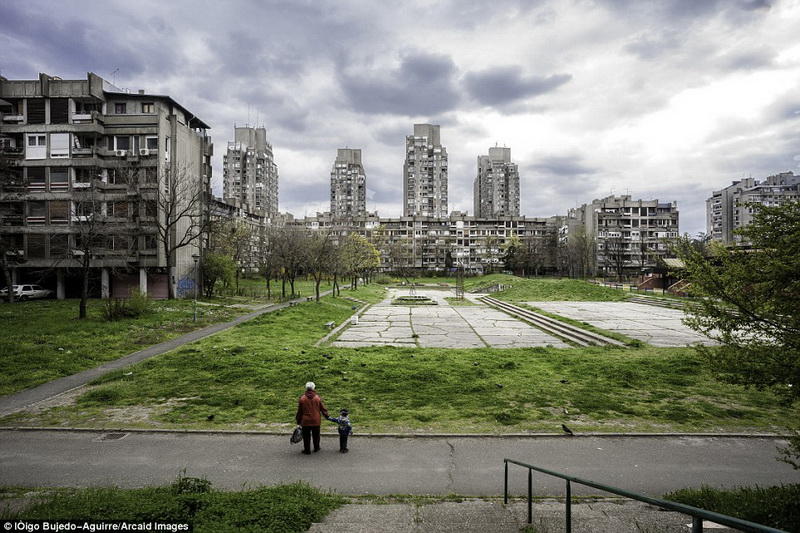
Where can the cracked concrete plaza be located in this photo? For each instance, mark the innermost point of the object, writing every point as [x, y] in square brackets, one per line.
[441, 326]
[654, 325]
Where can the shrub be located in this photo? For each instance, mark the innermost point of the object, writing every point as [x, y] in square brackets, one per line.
[139, 303]
[118, 308]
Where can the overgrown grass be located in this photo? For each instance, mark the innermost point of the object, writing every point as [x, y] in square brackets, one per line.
[279, 509]
[457, 302]
[544, 289]
[44, 340]
[251, 375]
[777, 507]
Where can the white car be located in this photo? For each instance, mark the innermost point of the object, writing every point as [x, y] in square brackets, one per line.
[26, 292]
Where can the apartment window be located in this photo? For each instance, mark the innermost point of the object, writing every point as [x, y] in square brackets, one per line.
[120, 243]
[59, 145]
[147, 107]
[150, 208]
[59, 179]
[85, 175]
[151, 143]
[119, 209]
[150, 175]
[35, 110]
[122, 142]
[59, 245]
[150, 242]
[59, 110]
[37, 212]
[85, 108]
[37, 147]
[36, 179]
[120, 109]
[36, 245]
[59, 212]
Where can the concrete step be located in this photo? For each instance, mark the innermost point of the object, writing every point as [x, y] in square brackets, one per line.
[479, 516]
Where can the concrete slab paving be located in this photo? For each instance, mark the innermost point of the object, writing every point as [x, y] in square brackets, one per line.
[441, 326]
[653, 325]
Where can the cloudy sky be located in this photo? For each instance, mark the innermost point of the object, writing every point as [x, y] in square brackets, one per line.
[667, 99]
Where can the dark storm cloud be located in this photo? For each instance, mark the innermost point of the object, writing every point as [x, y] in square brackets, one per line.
[561, 166]
[504, 85]
[422, 84]
[50, 34]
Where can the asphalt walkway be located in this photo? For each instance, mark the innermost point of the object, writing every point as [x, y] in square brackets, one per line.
[470, 466]
[25, 398]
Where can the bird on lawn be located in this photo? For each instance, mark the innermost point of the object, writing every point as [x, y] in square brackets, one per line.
[567, 430]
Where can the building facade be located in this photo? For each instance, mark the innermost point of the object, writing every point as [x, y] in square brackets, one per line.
[727, 209]
[348, 185]
[627, 236]
[425, 173]
[496, 186]
[84, 161]
[250, 175]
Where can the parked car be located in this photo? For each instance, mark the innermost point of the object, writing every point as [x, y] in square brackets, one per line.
[26, 292]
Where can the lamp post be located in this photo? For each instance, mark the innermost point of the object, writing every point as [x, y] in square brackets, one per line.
[195, 257]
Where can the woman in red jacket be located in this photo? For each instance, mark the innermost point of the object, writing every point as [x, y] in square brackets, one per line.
[310, 410]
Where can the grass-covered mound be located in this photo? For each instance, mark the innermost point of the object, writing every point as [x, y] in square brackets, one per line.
[543, 289]
[279, 509]
[250, 377]
[777, 507]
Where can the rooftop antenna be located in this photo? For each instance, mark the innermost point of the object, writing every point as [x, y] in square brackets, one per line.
[114, 76]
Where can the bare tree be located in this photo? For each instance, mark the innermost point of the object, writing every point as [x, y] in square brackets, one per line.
[614, 251]
[90, 226]
[319, 252]
[180, 218]
[268, 257]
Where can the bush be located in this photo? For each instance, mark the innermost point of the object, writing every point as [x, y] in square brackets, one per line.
[118, 308]
[777, 507]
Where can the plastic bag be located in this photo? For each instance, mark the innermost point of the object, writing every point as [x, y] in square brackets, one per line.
[297, 435]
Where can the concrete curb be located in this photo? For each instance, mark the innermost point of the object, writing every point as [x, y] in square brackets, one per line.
[407, 435]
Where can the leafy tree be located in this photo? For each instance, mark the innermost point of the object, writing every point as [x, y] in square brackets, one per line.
[319, 254]
[217, 267]
[749, 300]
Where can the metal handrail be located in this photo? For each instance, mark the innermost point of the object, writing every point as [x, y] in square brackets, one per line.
[697, 514]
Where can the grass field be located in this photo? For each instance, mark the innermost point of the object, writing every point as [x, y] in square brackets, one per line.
[279, 509]
[544, 289]
[43, 340]
[251, 375]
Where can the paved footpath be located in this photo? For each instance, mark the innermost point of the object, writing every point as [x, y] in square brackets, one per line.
[470, 466]
[20, 400]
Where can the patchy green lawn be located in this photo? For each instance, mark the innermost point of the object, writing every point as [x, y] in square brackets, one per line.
[43, 340]
[544, 289]
[278, 509]
[251, 375]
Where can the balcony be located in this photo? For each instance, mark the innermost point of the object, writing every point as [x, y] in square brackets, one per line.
[13, 119]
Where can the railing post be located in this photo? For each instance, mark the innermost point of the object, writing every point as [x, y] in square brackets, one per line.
[505, 484]
[530, 496]
[697, 524]
[569, 508]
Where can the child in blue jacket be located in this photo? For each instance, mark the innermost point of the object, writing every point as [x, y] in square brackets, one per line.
[345, 429]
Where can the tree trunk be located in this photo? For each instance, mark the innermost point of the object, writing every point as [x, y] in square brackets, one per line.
[291, 284]
[283, 287]
[170, 275]
[335, 285]
[269, 288]
[318, 280]
[7, 274]
[84, 289]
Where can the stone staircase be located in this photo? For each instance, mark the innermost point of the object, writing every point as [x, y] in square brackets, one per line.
[490, 515]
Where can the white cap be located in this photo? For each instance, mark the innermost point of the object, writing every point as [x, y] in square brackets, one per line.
[310, 385]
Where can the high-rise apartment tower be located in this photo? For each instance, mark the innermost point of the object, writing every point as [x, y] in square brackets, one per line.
[348, 185]
[496, 186]
[425, 173]
[250, 175]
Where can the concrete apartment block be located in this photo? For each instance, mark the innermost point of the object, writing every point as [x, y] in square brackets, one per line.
[425, 173]
[727, 209]
[436, 243]
[250, 175]
[496, 186]
[626, 231]
[348, 185]
[62, 138]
